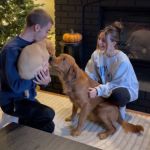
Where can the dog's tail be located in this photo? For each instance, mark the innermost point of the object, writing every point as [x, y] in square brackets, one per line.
[129, 127]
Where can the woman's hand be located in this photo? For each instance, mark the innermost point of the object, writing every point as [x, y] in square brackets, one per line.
[92, 92]
[43, 76]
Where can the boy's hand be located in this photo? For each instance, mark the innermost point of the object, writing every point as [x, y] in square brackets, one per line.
[43, 76]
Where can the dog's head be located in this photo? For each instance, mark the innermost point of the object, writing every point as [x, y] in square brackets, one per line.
[65, 66]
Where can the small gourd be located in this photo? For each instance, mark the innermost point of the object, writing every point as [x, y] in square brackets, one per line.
[72, 37]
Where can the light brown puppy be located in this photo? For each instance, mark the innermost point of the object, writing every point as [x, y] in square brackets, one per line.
[75, 84]
[34, 57]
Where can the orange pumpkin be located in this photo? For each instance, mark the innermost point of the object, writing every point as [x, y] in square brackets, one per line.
[72, 37]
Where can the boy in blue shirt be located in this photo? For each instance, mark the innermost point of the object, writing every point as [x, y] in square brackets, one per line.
[12, 98]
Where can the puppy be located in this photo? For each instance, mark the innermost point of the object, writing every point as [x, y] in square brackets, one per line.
[33, 58]
[75, 84]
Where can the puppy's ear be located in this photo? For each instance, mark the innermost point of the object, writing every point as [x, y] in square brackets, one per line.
[50, 47]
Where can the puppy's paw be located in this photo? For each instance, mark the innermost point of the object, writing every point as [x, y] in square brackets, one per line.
[68, 119]
[75, 132]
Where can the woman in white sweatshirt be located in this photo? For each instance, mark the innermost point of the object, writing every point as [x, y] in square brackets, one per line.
[113, 68]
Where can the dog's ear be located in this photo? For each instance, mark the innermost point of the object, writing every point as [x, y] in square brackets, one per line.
[72, 73]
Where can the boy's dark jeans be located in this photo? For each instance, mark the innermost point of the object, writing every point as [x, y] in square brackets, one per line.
[32, 113]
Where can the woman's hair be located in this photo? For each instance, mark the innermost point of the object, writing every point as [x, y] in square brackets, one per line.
[38, 16]
[114, 31]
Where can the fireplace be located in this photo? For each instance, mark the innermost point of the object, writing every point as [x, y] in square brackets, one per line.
[134, 40]
[90, 16]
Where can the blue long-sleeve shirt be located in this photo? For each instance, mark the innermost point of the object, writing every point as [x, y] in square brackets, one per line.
[12, 86]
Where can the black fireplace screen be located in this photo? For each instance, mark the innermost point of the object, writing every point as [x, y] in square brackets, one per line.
[135, 36]
[138, 40]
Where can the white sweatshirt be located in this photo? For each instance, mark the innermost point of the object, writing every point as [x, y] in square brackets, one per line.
[115, 71]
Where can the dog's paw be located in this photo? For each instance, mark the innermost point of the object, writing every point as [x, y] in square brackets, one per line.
[75, 132]
[102, 135]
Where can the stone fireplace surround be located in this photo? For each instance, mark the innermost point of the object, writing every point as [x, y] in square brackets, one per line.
[89, 16]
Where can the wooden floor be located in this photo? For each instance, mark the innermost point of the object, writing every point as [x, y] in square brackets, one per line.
[119, 141]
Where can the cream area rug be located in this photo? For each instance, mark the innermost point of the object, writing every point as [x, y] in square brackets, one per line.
[119, 141]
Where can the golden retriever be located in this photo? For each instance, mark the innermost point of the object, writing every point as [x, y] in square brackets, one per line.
[75, 84]
[33, 57]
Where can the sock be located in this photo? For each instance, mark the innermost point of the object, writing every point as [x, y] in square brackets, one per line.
[122, 112]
